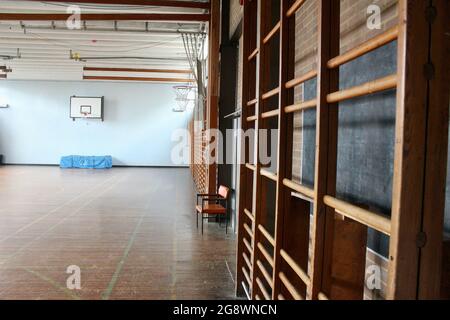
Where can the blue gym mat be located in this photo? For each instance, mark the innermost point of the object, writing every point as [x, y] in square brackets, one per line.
[86, 162]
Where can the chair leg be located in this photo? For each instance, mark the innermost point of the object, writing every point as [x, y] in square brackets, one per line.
[196, 218]
[226, 224]
[203, 219]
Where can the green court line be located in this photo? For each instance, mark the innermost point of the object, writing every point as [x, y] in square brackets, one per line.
[107, 293]
[53, 283]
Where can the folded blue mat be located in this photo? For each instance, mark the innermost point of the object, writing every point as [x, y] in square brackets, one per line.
[86, 162]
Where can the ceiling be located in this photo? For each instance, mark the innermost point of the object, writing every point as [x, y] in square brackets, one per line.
[48, 50]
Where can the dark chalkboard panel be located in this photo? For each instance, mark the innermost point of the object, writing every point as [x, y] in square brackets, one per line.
[366, 138]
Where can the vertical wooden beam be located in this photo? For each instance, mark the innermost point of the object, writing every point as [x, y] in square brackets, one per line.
[285, 134]
[326, 144]
[258, 179]
[407, 200]
[436, 155]
[243, 171]
[213, 86]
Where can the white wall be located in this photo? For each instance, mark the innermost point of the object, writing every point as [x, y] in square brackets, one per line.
[137, 131]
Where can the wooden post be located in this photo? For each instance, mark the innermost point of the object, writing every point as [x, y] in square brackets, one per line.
[285, 135]
[244, 186]
[326, 141]
[407, 200]
[213, 87]
[436, 156]
[257, 190]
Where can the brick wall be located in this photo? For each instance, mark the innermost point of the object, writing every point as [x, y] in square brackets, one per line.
[236, 13]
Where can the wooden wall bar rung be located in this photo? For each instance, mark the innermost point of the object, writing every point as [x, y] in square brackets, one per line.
[299, 188]
[295, 7]
[249, 230]
[298, 81]
[372, 44]
[248, 246]
[297, 269]
[253, 55]
[252, 102]
[272, 33]
[370, 219]
[322, 297]
[263, 289]
[246, 290]
[247, 277]
[249, 215]
[250, 167]
[367, 88]
[266, 255]
[270, 114]
[290, 287]
[270, 93]
[252, 119]
[247, 260]
[269, 175]
[265, 273]
[310, 104]
[267, 235]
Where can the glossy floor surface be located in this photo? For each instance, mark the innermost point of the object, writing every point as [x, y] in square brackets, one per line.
[131, 232]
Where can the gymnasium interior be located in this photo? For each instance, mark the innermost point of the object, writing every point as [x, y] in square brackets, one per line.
[224, 150]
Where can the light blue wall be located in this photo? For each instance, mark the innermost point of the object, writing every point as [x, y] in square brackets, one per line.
[137, 131]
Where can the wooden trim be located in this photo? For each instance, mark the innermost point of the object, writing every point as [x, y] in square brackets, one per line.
[156, 3]
[170, 17]
[136, 70]
[145, 79]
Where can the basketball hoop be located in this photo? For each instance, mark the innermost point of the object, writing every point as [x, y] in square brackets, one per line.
[182, 97]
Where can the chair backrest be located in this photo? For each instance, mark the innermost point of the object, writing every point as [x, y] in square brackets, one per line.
[224, 191]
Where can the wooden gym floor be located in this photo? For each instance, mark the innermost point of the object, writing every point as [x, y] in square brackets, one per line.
[131, 231]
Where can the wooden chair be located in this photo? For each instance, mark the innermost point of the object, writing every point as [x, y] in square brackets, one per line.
[213, 205]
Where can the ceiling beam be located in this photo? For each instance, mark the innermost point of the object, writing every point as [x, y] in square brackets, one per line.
[137, 70]
[109, 78]
[171, 17]
[156, 3]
